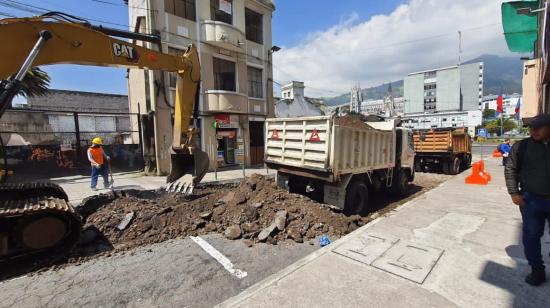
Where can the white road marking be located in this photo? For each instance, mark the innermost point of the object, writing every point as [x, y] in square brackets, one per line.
[223, 260]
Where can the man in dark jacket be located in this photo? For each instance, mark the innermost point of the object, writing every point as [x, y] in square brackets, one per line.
[527, 175]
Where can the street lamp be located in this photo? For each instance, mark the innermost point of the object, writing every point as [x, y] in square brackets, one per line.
[274, 48]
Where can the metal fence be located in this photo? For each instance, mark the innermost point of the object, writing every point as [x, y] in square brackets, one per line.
[45, 143]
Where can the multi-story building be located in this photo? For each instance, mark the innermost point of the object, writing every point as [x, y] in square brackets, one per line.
[454, 88]
[235, 47]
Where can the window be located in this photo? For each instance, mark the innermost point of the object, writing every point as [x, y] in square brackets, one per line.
[254, 26]
[224, 75]
[222, 10]
[255, 88]
[174, 76]
[181, 8]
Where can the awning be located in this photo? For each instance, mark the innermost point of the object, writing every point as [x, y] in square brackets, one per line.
[520, 31]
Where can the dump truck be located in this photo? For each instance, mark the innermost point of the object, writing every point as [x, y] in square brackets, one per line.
[340, 161]
[447, 150]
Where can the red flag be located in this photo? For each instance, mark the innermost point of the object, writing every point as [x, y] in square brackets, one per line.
[499, 104]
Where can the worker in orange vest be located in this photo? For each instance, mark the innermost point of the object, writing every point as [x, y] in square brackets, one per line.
[98, 158]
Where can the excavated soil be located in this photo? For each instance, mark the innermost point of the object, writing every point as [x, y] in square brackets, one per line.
[254, 209]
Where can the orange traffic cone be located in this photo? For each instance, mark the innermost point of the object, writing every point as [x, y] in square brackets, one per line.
[479, 176]
[482, 167]
[496, 153]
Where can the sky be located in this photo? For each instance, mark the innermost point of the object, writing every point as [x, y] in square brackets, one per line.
[330, 45]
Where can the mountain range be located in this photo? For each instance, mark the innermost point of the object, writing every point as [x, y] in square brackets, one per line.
[499, 73]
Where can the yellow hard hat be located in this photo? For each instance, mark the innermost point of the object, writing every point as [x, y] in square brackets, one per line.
[97, 140]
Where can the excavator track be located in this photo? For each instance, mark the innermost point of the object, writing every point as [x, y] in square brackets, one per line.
[37, 226]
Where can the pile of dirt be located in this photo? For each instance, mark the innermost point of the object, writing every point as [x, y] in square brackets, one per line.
[354, 121]
[255, 209]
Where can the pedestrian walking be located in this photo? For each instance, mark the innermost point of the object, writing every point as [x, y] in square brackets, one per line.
[527, 176]
[98, 159]
[505, 150]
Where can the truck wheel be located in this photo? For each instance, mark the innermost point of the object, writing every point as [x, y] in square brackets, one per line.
[400, 185]
[454, 166]
[357, 197]
[466, 162]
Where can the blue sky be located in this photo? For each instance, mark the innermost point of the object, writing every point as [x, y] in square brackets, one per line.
[293, 21]
[329, 44]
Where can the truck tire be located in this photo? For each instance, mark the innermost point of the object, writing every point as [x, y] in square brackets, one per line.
[466, 162]
[357, 198]
[400, 185]
[454, 166]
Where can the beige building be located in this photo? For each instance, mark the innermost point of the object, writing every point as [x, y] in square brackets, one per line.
[235, 45]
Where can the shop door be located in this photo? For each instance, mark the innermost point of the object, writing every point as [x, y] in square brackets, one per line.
[256, 142]
[226, 146]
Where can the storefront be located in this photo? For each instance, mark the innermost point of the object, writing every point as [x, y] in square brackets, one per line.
[229, 144]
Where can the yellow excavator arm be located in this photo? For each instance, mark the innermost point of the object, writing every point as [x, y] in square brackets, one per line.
[55, 39]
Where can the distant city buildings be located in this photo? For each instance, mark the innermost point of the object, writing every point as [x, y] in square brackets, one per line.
[509, 104]
[469, 119]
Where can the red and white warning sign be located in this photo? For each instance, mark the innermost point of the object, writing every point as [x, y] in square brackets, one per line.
[314, 136]
[275, 134]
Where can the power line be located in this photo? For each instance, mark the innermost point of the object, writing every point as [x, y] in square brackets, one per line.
[124, 5]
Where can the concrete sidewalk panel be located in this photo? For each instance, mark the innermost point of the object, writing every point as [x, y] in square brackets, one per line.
[337, 281]
[409, 260]
[366, 247]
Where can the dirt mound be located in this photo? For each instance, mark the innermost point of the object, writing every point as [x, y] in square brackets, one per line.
[254, 209]
[354, 121]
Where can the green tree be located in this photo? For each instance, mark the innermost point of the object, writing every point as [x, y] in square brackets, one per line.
[35, 83]
[489, 113]
[493, 127]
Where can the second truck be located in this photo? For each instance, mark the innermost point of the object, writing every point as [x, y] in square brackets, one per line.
[340, 160]
[447, 150]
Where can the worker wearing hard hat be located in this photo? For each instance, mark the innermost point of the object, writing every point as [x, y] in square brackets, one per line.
[98, 159]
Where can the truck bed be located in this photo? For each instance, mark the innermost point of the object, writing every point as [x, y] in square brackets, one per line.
[442, 141]
[320, 144]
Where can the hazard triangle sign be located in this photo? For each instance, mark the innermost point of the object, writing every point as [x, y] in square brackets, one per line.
[314, 136]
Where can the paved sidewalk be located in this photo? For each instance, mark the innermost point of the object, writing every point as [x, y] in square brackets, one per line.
[78, 187]
[456, 245]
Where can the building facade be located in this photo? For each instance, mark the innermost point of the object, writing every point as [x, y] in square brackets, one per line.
[455, 88]
[469, 119]
[54, 117]
[234, 41]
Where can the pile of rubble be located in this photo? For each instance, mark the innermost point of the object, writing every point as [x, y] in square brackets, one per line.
[255, 210]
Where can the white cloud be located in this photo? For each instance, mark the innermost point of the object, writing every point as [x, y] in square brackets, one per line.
[418, 35]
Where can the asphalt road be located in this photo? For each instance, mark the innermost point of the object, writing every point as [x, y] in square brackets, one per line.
[176, 273]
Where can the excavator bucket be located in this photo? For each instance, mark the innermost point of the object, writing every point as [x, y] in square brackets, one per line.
[187, 171]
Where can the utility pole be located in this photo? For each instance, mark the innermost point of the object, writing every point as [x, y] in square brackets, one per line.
[459, 48]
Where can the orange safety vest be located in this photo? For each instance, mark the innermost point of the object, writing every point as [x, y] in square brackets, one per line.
[97, 154]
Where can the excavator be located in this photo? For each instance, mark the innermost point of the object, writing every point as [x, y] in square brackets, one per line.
[37, 222]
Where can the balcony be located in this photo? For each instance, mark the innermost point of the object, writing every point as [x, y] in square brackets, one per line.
[222, 35]
[225, 102]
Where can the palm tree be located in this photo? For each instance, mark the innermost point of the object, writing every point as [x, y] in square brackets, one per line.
[35, 83]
